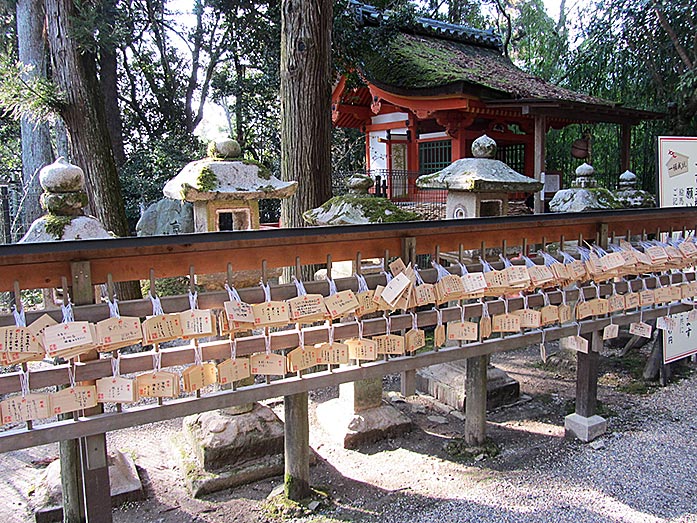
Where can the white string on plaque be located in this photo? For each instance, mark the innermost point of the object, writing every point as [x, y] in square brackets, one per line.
[543, 347]
[439, 331]
[415, 338]
[116, 389]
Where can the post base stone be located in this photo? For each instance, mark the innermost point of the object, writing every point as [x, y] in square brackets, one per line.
[224, 449]
[354, 429]
[124, 483]
[585, 429]
[446, 383]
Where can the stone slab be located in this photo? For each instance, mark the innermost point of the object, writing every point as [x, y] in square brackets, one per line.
[446, 383]
[585, 429]
[124, 483]
[368, 426]
[219, 439]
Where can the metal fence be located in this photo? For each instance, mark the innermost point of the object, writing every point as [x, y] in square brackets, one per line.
[399, 187]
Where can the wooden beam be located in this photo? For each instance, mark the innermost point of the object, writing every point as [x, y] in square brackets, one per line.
[540, 133]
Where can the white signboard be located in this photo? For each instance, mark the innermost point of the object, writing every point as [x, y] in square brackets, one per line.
[677, 187]
[677, 171]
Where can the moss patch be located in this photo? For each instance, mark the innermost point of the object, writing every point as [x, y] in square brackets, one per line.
[56, 224]
[207, 180]
[458, 449]
[375, 210]
[264, 172]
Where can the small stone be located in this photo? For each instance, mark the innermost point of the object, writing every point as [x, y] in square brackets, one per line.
[458, 414]
[217, 426]
[597, 444]
[479, 457]
[418, 408]
[484, 147]
[277, 491]
[313, 505]
[440, 420]
[395, 397]
[226, 148]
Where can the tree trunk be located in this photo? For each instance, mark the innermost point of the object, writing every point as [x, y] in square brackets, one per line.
[305, 105]
[109, 89]
[74, 71]
[36, 138]
[306, 27]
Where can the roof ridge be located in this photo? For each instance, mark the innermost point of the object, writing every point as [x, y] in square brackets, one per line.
[366, 14]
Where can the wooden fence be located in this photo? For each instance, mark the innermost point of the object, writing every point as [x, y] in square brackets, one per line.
[87, 263]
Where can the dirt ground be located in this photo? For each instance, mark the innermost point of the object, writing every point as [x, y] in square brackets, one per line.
[359, 484]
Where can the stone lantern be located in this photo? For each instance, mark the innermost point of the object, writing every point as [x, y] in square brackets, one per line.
[478, 186]
[225, 190]
[584, 194]
[64, 199]
[629, 196]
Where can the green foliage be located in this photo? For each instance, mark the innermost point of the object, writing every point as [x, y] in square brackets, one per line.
[177, 286]
[150, 166]
[23, 95]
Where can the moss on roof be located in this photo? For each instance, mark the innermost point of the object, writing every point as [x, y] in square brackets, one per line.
[407, 62]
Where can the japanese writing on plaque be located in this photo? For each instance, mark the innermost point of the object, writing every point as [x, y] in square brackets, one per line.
[366, 304]
[414, 339]
[362, 349]
[270, 364]
[197, 323]
[114, 333]
[302, 358]
[308, 308]
[116, 389]
[390, 344]
[341, 303]
[463, 330]
[332, 353]
[25, 408]
[271, 313]
[158, 329]
[198, 376]
[74, 398]
[158, 385]
[506, 323]
[233, 370]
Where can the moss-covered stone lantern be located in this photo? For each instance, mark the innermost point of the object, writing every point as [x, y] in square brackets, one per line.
[225, 190]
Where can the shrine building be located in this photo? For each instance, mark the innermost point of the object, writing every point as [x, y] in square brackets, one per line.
[422, 95]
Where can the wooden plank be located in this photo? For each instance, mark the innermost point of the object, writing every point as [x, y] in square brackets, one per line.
[540, 134]
[42, 265]
[61, 430]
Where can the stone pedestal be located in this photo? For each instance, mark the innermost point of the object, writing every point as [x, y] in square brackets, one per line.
[125, 485]
[359, 416]
[446, 383]
[585, 429]
[227, 449]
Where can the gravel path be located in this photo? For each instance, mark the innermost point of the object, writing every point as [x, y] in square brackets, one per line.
[646, 472]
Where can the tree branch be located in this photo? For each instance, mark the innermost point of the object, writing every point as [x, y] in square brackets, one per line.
[682, 53]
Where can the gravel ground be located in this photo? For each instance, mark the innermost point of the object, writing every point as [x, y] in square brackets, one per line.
[643, 470]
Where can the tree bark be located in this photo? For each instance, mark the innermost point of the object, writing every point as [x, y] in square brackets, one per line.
[305, 105]
[36, 137]
[109, 88]
[74, 71]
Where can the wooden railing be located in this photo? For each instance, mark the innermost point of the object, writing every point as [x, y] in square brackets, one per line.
[94, 262]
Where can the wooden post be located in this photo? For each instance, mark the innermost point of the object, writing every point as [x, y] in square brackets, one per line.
[585, 424]
[408, 377]
[475, 401]
[94, 470]
[71, 481]
[625, 146]
[540, 143]
[587, 381]
[297, 447]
